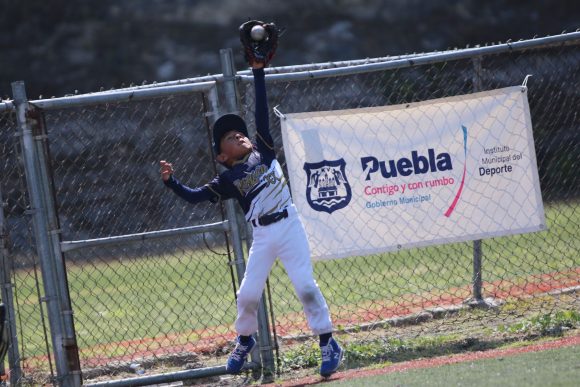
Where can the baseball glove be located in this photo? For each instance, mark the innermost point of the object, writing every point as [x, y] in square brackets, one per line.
[259, 51]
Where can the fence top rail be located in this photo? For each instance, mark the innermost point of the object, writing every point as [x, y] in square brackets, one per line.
[115, 240]
[423, 59]
[315, 70]
[121, 95]
[6, 105]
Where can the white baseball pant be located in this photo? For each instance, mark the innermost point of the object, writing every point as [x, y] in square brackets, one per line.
[287, 240]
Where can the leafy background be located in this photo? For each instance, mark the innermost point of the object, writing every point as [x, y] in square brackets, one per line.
[65, 46]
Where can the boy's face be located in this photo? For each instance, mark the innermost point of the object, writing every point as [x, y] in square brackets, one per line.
[234, 145]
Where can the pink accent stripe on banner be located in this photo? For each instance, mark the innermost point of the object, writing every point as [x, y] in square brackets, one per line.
[452, 207]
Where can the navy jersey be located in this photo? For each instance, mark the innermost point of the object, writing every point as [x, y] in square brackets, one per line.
[257, 181]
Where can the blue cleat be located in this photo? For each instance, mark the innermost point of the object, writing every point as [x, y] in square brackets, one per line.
[238, 356]
[331, 358]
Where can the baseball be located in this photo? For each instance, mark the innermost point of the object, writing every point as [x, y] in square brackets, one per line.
[258, 32]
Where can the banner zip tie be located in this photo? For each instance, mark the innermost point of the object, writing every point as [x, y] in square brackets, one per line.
[279, 113]
[524, 84]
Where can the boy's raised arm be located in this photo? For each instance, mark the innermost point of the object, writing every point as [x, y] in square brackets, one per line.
[264, 139]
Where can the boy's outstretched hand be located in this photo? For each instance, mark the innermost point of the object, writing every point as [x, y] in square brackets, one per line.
[166, 170]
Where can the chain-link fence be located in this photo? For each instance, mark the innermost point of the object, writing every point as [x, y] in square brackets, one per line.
[141, 295]
[148, 276]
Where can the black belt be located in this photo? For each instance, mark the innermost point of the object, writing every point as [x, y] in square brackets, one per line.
[265, 220]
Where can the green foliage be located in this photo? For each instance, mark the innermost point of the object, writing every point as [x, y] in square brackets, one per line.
[545, 324]
[366, 351]
[369, 351]
[554, 323]
[302, 356]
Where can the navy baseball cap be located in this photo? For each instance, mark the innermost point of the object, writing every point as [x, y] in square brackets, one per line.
[224, 124]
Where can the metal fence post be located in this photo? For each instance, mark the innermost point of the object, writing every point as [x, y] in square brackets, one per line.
[477, 297]
[264, 337]
[8, 300]
[44, 245]
[49, 204]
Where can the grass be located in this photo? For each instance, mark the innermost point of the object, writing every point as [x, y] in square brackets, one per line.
[134, 299]
[187, 293]
[556, 367]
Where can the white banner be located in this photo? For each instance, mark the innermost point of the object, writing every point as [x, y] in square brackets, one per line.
[380, 179]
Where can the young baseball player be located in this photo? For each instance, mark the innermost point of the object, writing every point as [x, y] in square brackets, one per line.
[255, 179]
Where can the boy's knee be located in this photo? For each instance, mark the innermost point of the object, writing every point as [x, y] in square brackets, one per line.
[248, 301]
[310, 295]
